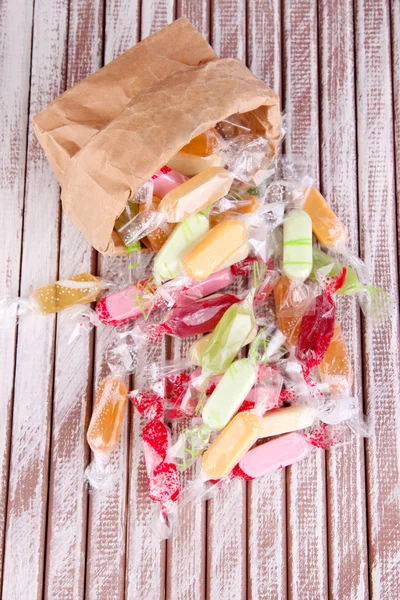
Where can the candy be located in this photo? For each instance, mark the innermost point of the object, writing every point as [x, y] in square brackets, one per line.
[228, 337]
[317, 326]
[159, 236]
[198, 347]
[231, 445]
[68, 292]
[196, 194]
[190, 164]
[229, 393]
[199, 289]
[335, 367]
[273, 455]
[165, 180]
[215, 248]
[297, 245]
[167, 263]
[291, 302]
[198, 317]
[283, 420]
[126, 305]
[204, 144]
[108, 413]
[237, 256]
[243, 206]
[325, 224]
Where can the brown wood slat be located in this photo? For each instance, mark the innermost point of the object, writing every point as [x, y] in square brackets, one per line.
[15, 59]
[266, 509]
[347, 539]
[28, 484]
[307, 549]
[186, 550]
[379, 250]
[226, 513]
[145, 572]
[395, 19]
[67, 513]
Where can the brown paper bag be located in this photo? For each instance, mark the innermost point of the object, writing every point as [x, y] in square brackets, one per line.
[109, 134]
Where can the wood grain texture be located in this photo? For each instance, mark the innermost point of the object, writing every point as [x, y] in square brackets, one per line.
[306, 493]
[266, 509]
[28, 486]
[347, 535]
[67, 514]
[15, 58]
[155, 15]
[226, 536]
[198, 13]
[379, 250]
[395, 39]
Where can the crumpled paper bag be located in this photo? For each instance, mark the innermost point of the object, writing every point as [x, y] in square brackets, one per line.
[110, 133]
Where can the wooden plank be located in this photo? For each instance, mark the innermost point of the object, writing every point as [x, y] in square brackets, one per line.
[27, 496]
[155, 15]
[108, 514]
[15, 58]
[145, 553]
[226, 535]
[347, 539]
[228, 28]
[306, 501]
[266, 511]
[67, 513]
[198, 13]
[186, 550]
[395, 19]
[379, 250]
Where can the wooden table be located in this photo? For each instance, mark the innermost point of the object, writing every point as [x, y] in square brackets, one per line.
[327, 528]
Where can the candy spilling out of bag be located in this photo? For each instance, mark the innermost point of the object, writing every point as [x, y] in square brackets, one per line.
[232, 249]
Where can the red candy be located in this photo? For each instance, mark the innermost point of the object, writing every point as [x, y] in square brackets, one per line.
[317, 326]
[149, 404]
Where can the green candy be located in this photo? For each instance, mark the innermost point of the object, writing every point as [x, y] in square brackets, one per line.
[167, 263]
[228, 337]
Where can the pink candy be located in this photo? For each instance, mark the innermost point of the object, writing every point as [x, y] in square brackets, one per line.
[166, 180]
[199, 289]
[271, 456]
[126, 305]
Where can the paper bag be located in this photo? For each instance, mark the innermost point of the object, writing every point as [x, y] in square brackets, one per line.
[106, 136]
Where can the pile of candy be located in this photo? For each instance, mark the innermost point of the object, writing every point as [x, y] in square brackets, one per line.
[223, 238]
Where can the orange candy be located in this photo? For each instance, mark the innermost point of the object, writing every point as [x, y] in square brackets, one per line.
[204, 144]
[335, 368]
[326, 226]
[249, 204]
[108, 413]
[291, 302]
[157, 238]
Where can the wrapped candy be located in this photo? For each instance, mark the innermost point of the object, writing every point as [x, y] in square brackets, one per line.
[161, 470]
[230, 334]
[335, 367]
[222, 241]
[167, 263]
[237, 206]
[166, 180]
[191, 164]
[271, 456]
[247, 158]
[291, 302]
[55, 297]
[205, 144]
[297, 246]
[128, 304]
[159, 236]
[105, 427]
[326, 226]
[198, 347]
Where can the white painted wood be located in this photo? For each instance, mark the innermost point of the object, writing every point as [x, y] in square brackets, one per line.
[155, 15]
[198, 13]
[347, 539]
[15, 59]
[228, 28]
[395, 40]
[307, 549]
[266, 510]
[28, 486]
[379, 250]
[67, 514]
